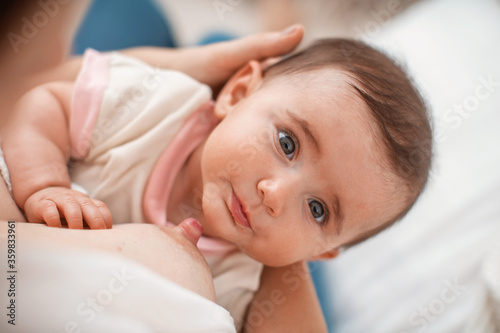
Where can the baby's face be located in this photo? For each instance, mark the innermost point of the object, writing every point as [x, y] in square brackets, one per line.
[293, 171]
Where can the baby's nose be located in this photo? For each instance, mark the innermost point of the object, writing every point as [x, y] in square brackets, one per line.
[273, 195]
[191, 229]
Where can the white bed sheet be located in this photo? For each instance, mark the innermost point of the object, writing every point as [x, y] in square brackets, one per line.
[61, 290]
[423, 274]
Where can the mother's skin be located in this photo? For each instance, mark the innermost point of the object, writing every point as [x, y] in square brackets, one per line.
[169, 251]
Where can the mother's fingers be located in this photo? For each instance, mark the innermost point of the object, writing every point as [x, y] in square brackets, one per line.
[222, 60]
[268, 62]
[261, 46]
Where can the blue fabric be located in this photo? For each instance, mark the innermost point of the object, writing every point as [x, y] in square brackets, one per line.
[322, 285]
[215, 37]
[118, 24]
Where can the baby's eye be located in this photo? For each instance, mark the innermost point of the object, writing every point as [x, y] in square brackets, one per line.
[287, 144]
[317, 210]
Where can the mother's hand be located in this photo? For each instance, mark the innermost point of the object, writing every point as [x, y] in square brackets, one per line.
[213, 64]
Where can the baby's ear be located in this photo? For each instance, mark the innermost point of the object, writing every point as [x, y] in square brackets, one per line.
[326, 255]
[239, 86]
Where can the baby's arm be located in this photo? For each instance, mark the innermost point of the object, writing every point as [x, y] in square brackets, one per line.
[36, 146]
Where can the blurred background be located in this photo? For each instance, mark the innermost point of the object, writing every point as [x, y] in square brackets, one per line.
[322, 18]
[195, 22]
[438, 270]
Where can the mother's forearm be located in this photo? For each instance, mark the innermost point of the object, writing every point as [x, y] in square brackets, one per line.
[285, 302]
[68, 70]
[211, 64]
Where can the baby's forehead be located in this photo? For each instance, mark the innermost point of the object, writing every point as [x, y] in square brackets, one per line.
[327, 97]
[329, 89]
[318, 76]
[325, 87]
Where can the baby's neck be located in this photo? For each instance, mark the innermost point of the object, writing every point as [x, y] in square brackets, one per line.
[185, 198]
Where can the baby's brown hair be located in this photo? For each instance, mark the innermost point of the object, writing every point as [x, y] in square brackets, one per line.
[396, 106]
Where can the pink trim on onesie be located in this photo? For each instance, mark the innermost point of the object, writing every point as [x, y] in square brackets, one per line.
[89, 91]
[87, 99]
[194, 130]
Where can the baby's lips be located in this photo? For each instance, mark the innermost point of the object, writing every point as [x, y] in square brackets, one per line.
[191, 229]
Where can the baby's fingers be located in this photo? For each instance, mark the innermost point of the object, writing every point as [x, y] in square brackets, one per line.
[91, 214]
[105, 212]
[47, 213]
[43, 211]
[72, 212]
[50, 215]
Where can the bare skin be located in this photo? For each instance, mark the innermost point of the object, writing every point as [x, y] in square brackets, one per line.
[8, 208]
[171, 252]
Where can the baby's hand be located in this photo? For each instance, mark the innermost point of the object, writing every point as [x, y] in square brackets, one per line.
[51, 204]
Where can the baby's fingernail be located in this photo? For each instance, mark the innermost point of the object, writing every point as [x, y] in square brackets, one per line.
[290, 30]
[191, 229]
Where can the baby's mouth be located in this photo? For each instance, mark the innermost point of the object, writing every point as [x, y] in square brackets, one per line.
[238, 212]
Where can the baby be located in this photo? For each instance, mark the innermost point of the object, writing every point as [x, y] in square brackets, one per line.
[293, 162]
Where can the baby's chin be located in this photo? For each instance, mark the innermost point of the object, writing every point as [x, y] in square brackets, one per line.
[268, 257]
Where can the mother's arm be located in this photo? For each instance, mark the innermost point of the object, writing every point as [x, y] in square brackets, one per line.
[285, 302]
[211, 64]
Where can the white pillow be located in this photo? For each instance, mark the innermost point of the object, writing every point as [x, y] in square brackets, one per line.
[486, 318]
[422, 274]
